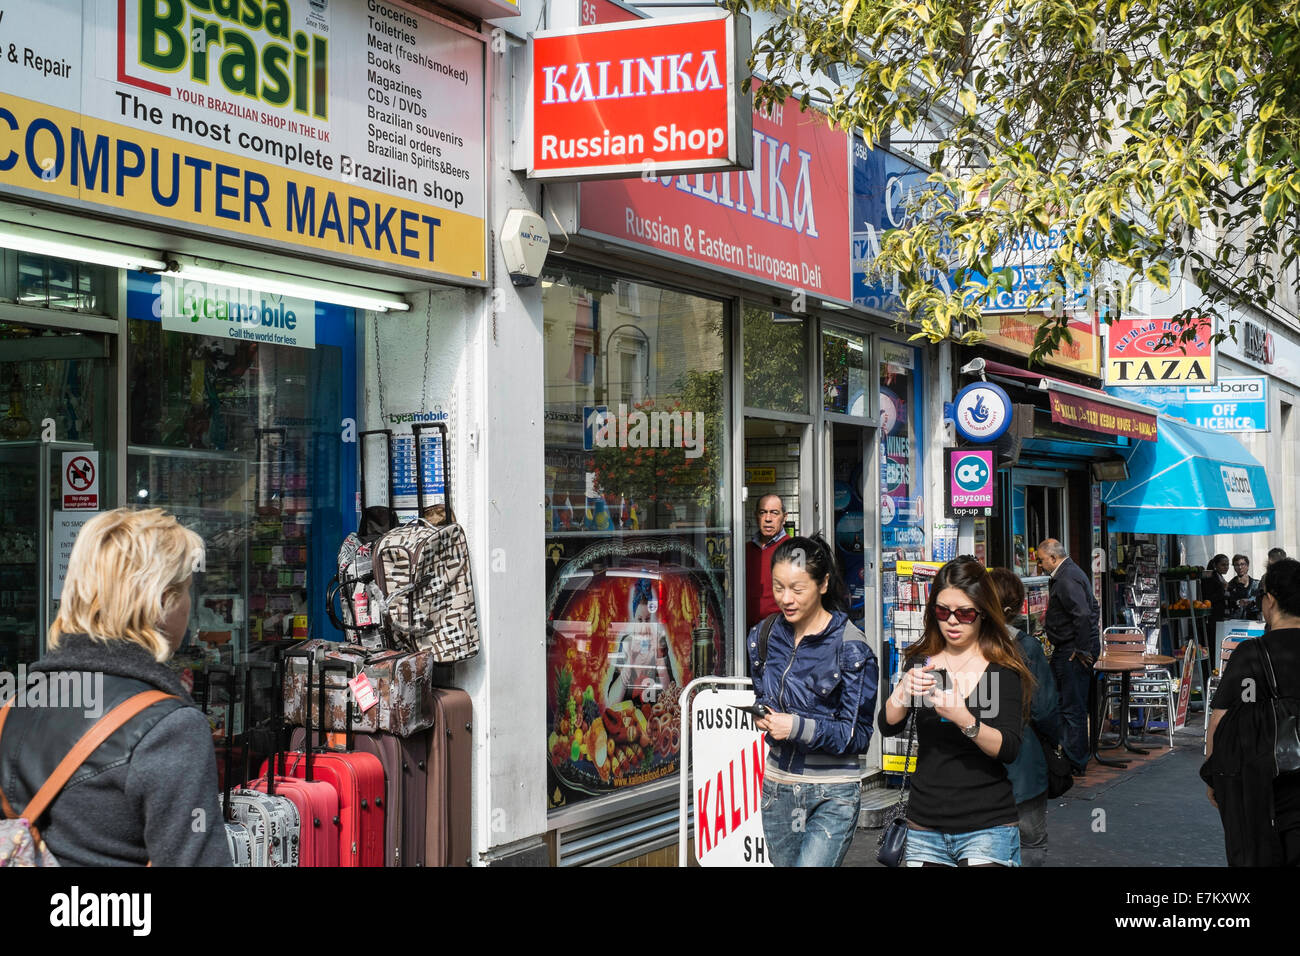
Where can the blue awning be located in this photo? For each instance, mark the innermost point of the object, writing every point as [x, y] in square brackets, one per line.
[1192, 481]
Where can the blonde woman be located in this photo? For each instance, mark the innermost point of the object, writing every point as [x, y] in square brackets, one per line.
[148, 794]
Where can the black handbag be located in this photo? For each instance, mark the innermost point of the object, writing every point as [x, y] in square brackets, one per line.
[1286, 724]
[893, 839]
[1059, 777]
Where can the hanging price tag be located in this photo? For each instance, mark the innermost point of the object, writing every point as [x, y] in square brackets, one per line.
[363, 692]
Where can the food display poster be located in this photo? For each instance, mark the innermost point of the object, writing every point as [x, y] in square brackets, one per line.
[622, 619]
[354, 130]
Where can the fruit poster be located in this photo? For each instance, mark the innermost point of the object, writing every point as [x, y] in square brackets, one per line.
[622, 621]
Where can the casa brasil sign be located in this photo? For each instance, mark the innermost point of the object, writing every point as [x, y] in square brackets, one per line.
[658, 95]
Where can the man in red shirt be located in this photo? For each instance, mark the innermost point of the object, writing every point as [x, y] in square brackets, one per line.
[759, 602]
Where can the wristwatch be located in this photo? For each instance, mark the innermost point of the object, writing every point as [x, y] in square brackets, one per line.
[973, 729]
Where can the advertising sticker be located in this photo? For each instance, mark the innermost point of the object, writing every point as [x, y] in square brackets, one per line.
[728, 755]
[972, 473]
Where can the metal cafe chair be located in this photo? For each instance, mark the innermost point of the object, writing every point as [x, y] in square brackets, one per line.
[1151, 689]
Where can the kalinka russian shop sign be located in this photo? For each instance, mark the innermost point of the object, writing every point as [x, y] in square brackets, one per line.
[1150, 351]
[353, 130]
[662, 95]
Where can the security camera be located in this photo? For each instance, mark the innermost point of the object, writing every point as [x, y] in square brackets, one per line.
[974, 367]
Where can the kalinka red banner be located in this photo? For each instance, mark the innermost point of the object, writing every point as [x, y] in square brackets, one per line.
[786, 221]
[617, 99]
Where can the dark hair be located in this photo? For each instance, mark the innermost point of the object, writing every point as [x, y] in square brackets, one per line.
[1240, 557]
[1282, 580]
[1011, 591]
[1276, 554]
[816, 557]
[970, 577]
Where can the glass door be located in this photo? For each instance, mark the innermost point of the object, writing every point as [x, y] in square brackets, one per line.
[56, 396]
[1040, 508]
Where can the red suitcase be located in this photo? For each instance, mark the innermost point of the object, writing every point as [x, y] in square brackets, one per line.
[358, 779]
[318, 811]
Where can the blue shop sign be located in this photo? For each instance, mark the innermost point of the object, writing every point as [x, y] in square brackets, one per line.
[1237, 404]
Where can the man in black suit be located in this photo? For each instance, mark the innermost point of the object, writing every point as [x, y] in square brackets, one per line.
[1072, 628]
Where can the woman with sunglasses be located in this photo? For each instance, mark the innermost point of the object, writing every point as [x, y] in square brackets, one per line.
[971, 691]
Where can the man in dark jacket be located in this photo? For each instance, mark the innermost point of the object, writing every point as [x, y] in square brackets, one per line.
[1073, 628]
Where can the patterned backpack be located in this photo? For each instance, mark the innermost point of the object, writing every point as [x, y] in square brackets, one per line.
[20, 842]
[427, 594]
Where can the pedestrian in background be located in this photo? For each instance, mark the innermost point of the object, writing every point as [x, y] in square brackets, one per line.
[148, 794]
[1028, 772]
[1260, 809]
[817, 678]
[970, 690]
[1214, 588]
[759, 603]
[1073, 628]
[1243, 591]
[1274, 555]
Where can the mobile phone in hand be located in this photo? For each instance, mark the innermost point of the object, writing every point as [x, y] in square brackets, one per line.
[758, 710]
[942, 682]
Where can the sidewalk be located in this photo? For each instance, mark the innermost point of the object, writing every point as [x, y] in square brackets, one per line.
[1154, 813]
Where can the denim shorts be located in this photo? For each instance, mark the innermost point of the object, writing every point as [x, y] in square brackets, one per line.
[999, 845]
[809, 824]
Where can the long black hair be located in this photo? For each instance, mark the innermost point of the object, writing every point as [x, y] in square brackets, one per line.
[816, 557]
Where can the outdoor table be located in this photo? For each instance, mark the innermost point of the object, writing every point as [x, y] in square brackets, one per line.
[1124, 665]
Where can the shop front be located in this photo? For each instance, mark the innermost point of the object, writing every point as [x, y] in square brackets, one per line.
[189, 261]
[702, 352]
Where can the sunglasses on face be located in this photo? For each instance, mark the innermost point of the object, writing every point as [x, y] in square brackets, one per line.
[964, 615]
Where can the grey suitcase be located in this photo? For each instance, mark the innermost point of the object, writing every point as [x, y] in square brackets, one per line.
[272, 824]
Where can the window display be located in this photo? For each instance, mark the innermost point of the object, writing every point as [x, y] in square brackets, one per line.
[902, 500]
[244, 442]
[637, 523]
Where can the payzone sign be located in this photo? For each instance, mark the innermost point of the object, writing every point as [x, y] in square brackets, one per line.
[971, 475]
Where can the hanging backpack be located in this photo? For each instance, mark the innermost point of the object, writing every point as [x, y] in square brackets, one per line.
[353, 586]
[422, 572]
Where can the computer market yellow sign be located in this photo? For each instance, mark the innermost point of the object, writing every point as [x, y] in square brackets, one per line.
[352, 130]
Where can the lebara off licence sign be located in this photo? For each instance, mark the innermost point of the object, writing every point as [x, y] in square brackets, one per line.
[661, 95]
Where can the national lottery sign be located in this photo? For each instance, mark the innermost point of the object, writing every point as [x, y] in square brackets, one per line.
[350, 130]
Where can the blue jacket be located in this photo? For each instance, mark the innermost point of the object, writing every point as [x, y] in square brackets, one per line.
[1028, 772]
[828, 684]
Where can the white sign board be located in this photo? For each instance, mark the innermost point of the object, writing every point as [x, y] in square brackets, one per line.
[727, 759]
[81, 481]
[66, 527]
[1236, 482]
[201, 308]
[353, 130]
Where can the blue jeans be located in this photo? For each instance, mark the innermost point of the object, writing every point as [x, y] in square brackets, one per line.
[809, 824]
[1033, 831]
[1072, 677]
[1000, 845]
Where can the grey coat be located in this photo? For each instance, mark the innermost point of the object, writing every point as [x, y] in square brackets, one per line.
[148, 794]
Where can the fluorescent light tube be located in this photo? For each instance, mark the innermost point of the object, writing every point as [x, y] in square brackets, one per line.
[287, 285]
[41, 242]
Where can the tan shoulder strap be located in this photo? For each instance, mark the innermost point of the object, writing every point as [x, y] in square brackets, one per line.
[100, 731]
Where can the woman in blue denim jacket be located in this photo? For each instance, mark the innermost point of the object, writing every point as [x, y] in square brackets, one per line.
[818, 681]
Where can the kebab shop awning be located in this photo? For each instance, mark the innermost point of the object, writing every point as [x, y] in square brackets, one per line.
[1086, 408]
[1190, 481]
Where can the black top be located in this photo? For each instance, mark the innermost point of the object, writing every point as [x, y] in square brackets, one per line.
[1215, 591]
[1072, 614]
[956, 787]
[1246, 665]
[1236, 591]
